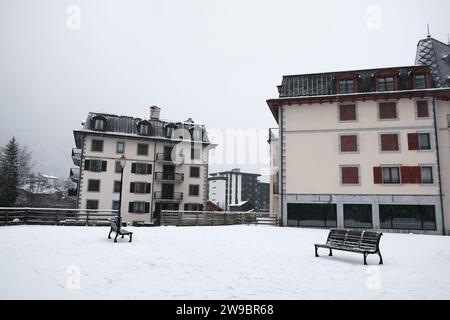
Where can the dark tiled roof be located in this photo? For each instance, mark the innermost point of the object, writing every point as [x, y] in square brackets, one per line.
[322, 84]
[436, 55]
[129, 126]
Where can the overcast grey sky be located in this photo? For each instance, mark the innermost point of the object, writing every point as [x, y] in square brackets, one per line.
[214, 61]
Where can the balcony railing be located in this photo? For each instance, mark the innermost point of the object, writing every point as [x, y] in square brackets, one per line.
[76, 156]
[172, 177]
[174, 196]
[75, 174]
[164, 157]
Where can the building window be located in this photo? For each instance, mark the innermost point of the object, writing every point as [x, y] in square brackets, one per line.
[95, 165]
[386, 84]
[116, 205]
[196, 153]
[116, 187]
[347, 112]
[312, 215]
[193, 207]
[422, 109]
[144, 129]
[140, 187]
[427, 175]
[97, 145]
[100, 124]
[407, 217]
[194, 190]
[389, 142]
[424, 141]
[117, 167]
[348, 143]
[387, 110]
[92, 204]
[93, 185]
[120, 147]
[142, 149]
[358, 216]
[349, 175]
[139, 207]
[346, 86]
[420, 80]
[391, 175]
[141, 168]
[194, 172]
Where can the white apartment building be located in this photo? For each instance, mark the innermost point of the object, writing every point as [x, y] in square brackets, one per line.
[166, 168]
[365, 148]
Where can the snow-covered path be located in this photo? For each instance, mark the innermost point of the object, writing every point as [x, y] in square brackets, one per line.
[232, 262]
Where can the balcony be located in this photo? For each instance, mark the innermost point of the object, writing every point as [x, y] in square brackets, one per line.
[76, 156]
[75, 174]
[167, 158]
[168, 197]
[169, 177]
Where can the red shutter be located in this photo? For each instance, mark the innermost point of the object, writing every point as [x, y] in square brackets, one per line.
[347, 112]
[377, 175]
[350, 175]
[411, 175]
[413, 141]
[349, 143]
[389, 142]
[388, 110]
[422, 109]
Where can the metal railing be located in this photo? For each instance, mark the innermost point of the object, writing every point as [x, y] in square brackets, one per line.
[52, 216]
[215, 218]
[164, 157]
[174, 196]
[175, 177]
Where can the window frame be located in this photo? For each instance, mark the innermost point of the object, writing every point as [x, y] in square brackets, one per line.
[339, 112]
[102, 144]
[92, 200]
[399, 142]
[114, 186]
[416, 104]
[341, 183]
[433, 180]
[421, 133]
[398, 167]
[397, 116]
[190, 172]
[117, 147]
[198, 189]
[340, 143]
[89, 185]
[137, 149]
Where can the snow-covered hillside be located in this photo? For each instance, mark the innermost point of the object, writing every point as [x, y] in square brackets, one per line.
[233, 262]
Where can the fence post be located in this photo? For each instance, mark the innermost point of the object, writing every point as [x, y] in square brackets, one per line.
[196, 222]
[87, 218]
[161, 218]
[180, 215]
[7, 218]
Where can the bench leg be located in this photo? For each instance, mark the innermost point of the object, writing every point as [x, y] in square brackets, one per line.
[315, 248]
[115, 239]
[109, 235]
[131, 237]
[331, 253]
[381, 258]
[365, 259]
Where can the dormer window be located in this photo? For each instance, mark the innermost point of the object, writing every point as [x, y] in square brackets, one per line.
[347, 83]
[386, 80]
[420, 77]
[420, 80]
[99, 123]
[144, 128]
[196, 133]
[170, 129]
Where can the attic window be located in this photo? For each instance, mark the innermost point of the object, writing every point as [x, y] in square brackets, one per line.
[144, 128]
[386, 84]
[100, 124]
[196, 133]
[386, 80]
[347, 82]
[420, 81]
[170, 129]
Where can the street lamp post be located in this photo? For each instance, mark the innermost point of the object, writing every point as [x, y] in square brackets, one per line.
[123, 162]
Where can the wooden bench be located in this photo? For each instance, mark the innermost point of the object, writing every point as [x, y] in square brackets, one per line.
[119, 231]
[364, 242]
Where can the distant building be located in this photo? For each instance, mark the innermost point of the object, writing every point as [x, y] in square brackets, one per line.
[166, 169]
[211, 206]
[243, 206]
[365, 148]
[233, 187]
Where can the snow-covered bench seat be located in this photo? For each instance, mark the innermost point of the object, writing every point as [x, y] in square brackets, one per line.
[364, 242]
[119, 231]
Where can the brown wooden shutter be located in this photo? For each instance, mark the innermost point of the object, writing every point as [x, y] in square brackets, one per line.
[350, 175]
[347, 112]
[413, 141]
[389, 142]
[349, 143]
[422, 109]
[411, 175]
[388, 110]
[377, 175]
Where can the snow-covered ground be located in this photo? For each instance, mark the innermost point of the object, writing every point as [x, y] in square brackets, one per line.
[232, 262]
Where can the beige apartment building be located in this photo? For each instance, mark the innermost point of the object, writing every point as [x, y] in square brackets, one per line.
[365, 148]
[166, 168]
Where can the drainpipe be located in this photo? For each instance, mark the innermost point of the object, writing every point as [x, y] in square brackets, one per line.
[81, 170]
[438, 164]
[280, 150]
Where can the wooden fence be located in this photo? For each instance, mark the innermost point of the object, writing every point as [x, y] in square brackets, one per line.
[51, 216]
[215, 218]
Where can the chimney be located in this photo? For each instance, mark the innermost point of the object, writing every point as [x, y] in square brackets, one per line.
[154, 112]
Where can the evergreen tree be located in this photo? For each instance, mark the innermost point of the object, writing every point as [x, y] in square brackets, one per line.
[14, 167]
[9, 161]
